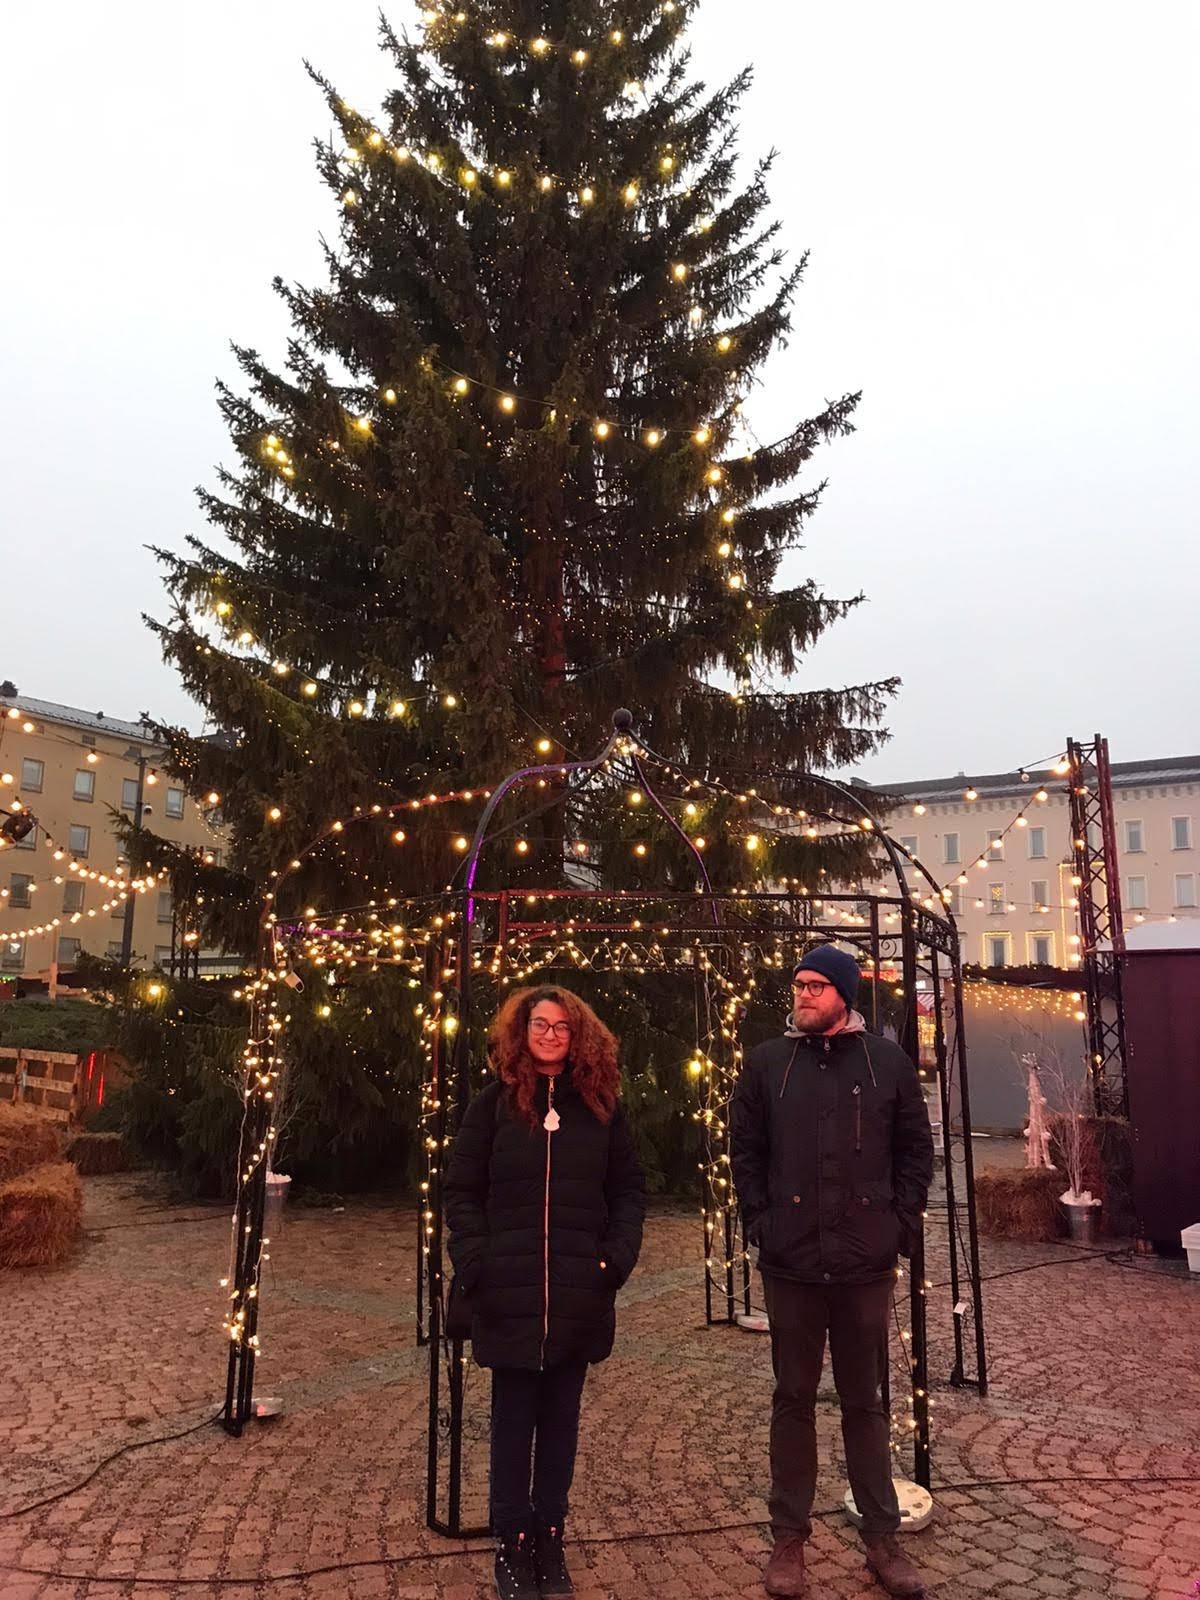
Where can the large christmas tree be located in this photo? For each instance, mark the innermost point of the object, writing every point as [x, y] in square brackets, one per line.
[505, 480]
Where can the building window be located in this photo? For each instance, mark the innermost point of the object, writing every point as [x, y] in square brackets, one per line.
[953, 900]
[1039, 895]
[212, 858]
[118, 911]
[79, 839]
[12, 955]
[1135, 894]
[174, 805]
[166, 909]
[68, 952]
[73, 897]
[162, 956]
[909, 842]
[1037, 844]
[18, 890]
[1041, 949]
[115, 949]
[1095, 842]
[129, 790]
[1185, 889]
[1181, 833]
[33, 774]
[950, 844]
[996, 948]
[1135, 837]
[29, 842]
[85, 785]
[995, 845]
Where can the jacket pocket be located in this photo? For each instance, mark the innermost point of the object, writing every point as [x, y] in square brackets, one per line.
[872, 1228]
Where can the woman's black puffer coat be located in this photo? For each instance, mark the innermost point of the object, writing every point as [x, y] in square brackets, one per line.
[532, 1214]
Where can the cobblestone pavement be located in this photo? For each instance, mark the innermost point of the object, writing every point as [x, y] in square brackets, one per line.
[1078, 1476]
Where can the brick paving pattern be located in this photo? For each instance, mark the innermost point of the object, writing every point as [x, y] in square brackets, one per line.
[1095, 1372]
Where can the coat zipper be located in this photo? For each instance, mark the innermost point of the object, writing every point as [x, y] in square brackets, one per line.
[546, 1231]
[857, 1093]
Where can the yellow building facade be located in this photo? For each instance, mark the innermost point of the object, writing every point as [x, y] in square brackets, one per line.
[61, 888]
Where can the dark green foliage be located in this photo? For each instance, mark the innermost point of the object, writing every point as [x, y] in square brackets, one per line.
[68, 1025]
[407, 584]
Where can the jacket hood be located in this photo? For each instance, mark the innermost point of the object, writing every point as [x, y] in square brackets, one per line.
[855, 1023]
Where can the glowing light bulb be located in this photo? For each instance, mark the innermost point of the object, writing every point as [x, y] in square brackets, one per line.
[587, 195]
[546, 184]
[653, 437]
[724, 344]
[724, 548]
[309, 689]
[470, 177]
[504, 178]
[507, 403]
[540, 46]
[631, 193]
[579, 57]
[603, 430]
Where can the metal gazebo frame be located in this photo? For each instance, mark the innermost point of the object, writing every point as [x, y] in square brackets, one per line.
[905, 934]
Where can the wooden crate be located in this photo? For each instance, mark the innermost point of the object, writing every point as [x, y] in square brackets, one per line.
[63, 1085]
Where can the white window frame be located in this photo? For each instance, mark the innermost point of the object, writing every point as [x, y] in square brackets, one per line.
[992, 835]
[32, 785]
[954, 905]
[80, 852]
[1136, 900]
[20, 897]
[1187, 833]
[168, 916]
[1188, 882]
[67, 961]
[175, 816]
[911, 843]
[162, 955]
[129, 800]
[997, 906]
[29, 842]
[12, 954]
[1132, 849]
[1036, 901]
[74, 893]
[1037, 831]
[84, 793]
[989, 940]
[1034, 940]
[955, 859]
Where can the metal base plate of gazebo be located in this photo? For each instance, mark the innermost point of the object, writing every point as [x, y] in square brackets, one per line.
[916, 1506]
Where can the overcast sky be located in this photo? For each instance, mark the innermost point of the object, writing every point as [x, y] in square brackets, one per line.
[1001, 208]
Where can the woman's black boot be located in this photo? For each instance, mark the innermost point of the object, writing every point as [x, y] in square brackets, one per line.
[550, 1564]
[514, 1569]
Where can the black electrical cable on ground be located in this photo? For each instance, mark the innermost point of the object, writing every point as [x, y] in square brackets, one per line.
[301, 1574]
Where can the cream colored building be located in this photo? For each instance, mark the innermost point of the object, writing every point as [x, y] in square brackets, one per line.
[73, 770]
[1016, 909]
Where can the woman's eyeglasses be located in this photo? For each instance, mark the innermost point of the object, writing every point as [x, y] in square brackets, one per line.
[546, 1030]
[814, 986]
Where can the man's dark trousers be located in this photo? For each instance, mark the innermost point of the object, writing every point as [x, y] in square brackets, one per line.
[856, 1319]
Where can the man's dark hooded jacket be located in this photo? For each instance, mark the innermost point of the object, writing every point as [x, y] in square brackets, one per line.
[832, 1155]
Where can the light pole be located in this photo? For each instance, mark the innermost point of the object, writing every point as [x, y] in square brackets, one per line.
[131, 897]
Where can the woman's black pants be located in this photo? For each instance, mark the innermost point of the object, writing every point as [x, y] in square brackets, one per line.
[535, 1431]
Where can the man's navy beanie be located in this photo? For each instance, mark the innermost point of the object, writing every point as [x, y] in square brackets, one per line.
[838, 966]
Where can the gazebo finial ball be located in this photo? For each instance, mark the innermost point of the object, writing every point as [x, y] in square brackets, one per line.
[623, 720]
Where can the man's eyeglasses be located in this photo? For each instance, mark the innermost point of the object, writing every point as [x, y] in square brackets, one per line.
[814, 986]
[544, 1030]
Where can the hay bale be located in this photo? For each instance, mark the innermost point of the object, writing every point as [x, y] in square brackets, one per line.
[28, 1139]
[41, 1213]
[1019, 1203]
[93, 1153]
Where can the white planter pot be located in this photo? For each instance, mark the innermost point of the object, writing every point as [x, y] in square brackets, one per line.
[1190, 1239]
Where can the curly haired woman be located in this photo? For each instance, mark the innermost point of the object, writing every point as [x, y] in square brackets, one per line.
[545, 1200]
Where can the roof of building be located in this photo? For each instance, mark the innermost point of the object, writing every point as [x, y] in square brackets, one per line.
[72, 717]
[1125, 775]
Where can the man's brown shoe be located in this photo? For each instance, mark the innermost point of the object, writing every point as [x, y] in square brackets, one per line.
[785, 1576]
[892, 1567]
